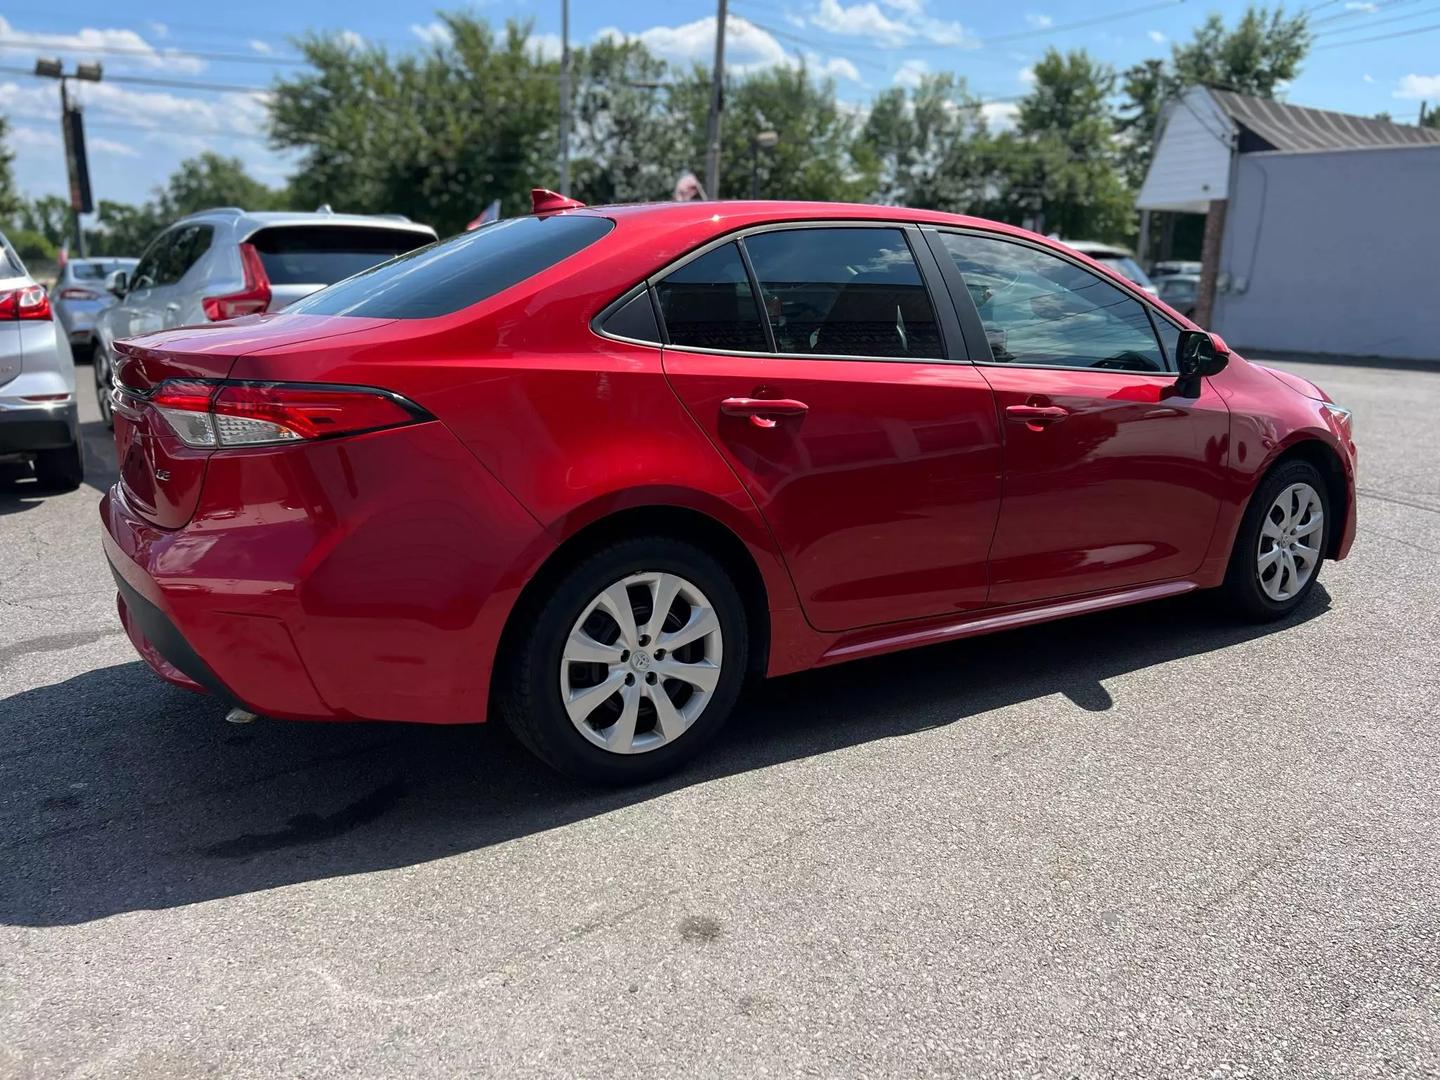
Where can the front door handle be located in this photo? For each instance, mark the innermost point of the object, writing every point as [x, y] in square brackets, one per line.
[761, 411]
[1039, 415]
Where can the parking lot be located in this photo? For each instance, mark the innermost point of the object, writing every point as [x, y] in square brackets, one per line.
[1150, 843]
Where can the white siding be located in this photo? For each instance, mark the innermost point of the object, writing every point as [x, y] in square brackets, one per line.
[1333, 252]
[1192, 159]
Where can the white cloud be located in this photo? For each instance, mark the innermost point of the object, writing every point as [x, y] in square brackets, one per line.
[1356, 5]
[82, 45]
[546, 46]
[110, 146]
[747, 47]
[1026, 75]
[1418, 86]
[911, 72]
[1040, 22]
[840, 68]
[999, 115]
[262, 47]
[909, 7]
[26, 138]
[1368, 78]
[350, 39]
[432, 33]
[159, 29]
[1157, 37]
[865, 19]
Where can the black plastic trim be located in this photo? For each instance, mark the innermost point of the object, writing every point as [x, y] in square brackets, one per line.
[167, 640]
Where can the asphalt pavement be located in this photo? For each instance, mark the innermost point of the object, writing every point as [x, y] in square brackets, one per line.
[1150, 843]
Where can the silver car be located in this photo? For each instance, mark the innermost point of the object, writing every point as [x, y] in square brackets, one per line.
[79, 295]
[38, 418]
[224, 263]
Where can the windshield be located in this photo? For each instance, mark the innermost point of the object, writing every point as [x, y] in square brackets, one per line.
[1126, 267]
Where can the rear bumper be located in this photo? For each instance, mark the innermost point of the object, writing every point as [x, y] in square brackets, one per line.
[26, 427]
[367, 578]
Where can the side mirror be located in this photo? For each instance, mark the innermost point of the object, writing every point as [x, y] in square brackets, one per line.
[116, 282]
[1198, 353]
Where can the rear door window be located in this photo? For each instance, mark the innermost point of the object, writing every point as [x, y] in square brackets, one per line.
[844, 292]
[183, 251]
[325, 254]
[461, 271]
[708, 304]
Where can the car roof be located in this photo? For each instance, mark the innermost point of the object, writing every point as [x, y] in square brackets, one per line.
[1180, 277]
[249, 221]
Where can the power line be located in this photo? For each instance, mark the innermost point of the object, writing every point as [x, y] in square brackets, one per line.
[1378, 37]
[1079, 24]
[1379, 22]
[22, 43]
[145, 80]
[1361, 13]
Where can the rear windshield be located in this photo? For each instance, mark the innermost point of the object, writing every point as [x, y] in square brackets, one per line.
[461, 271]
[98, 271]
[325, 254]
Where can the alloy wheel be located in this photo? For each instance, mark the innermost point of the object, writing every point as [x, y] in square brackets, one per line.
[641, 662]
[1290, 540]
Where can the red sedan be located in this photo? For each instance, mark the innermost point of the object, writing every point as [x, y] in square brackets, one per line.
[593, 468]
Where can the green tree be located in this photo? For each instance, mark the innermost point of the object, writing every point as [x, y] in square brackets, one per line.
[434, 135]
[9, 196]
[1263, 51]
[1058, 169]
[1431, 119]
[625, 146]
[213, 180]
[928, 148]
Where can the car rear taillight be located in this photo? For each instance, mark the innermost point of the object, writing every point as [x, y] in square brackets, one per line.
[252, 299]
[30, 302]
[215, 415]
[78, 294]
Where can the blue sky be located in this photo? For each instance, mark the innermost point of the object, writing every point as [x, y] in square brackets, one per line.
[138, 132]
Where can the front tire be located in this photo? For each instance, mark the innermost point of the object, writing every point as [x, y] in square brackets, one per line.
[631, 662]
[1281, 544]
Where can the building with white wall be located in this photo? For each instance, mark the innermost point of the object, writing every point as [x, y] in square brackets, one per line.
[1322, 231]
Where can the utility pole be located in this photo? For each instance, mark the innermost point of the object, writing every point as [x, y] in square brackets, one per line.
[1422, 113]
[77, 165]
[565, 98]
[717, 105]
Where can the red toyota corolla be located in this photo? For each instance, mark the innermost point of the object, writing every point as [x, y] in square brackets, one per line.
[592, 468]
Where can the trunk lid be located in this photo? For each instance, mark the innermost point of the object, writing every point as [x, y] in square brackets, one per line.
[161, 477]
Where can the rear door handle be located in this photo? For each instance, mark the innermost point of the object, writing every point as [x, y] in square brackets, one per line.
[762, 410]
[1036, 414]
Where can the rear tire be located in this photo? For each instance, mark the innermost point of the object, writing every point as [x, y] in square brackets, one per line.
[60, 470]
[1281, 544]
[100, 368]
[675, 677]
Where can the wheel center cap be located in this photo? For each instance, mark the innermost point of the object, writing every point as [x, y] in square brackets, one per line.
[639, 660]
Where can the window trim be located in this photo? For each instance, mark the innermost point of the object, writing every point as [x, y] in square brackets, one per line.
[952, 332]
[969, 315]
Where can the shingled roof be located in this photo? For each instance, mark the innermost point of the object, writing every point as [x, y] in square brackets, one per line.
[1273, 125]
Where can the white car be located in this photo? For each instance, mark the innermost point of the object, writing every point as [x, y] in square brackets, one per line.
[1117, 258]
[224, 263]
[38, 418]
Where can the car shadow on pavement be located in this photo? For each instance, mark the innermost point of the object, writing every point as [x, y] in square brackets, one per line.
[126, 794]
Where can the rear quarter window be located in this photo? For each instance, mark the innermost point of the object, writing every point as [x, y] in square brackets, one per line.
[458, 272]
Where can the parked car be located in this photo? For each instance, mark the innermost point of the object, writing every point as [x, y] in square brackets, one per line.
[1119, 259]
[596, 467]
[38, 420]
[1180, 291]
[1174, 266]
[79, 295]
[224, 263]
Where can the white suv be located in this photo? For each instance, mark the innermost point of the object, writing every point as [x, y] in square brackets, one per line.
[227, 262]
[37, 380]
